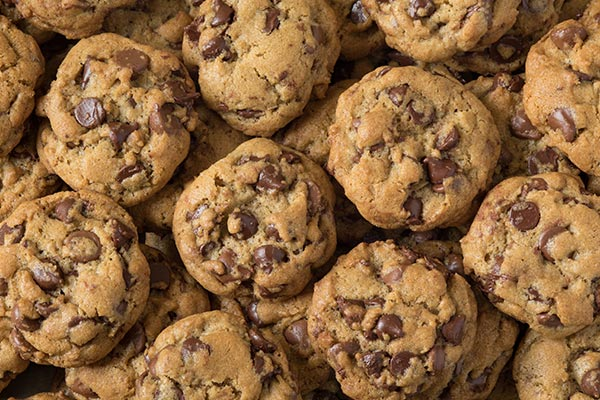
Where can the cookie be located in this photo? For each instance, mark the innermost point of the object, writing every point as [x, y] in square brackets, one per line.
[532, 250]
[10, 363]
[398, 333]
[258, 221]
[559, 93]
[73, 19]
[75, 278]
[412, 149]
[157, 23]
[212, 140]
[9, 10]
[505, 388]
[568, 368]
[572, 9]
[525, 150]
[120, 114]
[186, 361]
[245, 74]
[173, 295]
[21, 65]
[434, 30]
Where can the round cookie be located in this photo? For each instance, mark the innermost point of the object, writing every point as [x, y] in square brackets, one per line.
[76, 279]
[157, 23]
[398, 333]
[187, 361]
[560, 89]
[173, 295]
[74, 19]
[566, 368]
[411, 148]
[120, 114]
[8, 8]
[212, 140]
[434, 30]
[532, 250]
[258, 221]
[245, 74]
[21, 65]
[525, 150]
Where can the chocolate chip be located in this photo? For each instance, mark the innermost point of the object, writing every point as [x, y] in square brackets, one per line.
[85, 246]
[122, 307]
[270, 179]
[45, 278]
[316, 203]
[23, 323]
[373, 362]
[590, 383]
[223, 13]
[128, 171]
[419, 118]
[133, 59]
[358, 14]
[400, 59]
[420, 8]
[259, 364]
[214, 47]
[272, 20]
[448, 141]
[353, 311]
[272, 232]
[509, 82]
[289, 157]
[20, 343]
[90, 113]
[382, 72]
[549, 320]
[192, 215]
[478, 384]
[453, 330]
[3, 287]
[297, 334]
[454, 263]
[162, 119]
[393, 276]
[522, 127]
[545, 237]
[350, 348]
[319, 34]
[160, 275]
[180, 94]
[122, 235]
[562, 120]
[45, 309]
[534, 184]
[207, 247]
[414, 206]
[396, 94]
[248, 224]
[16, 232]
[193, 345]
[249, 113]
[566, 38]
[400, 362]
[86, 73]
[82, 389]
[119, 132]
[390, 325]
[524, 215]
[267, 255]
[192, 32]
[438, 358]
[136, 336]
[127, 277]
[62, 208]
[259, 342]
[438, 170]
[507, 49]
[228, 258]
[252, 313]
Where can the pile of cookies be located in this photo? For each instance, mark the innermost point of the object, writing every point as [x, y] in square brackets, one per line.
[318, 199]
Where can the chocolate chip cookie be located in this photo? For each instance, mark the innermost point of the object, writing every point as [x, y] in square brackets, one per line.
[214, 355]
[402, 330]
[566, 368]
[173, 295]
[412, 149]
[560, 89]
[434, 30]
[11, 364]
[75, 278]
[120, 113]
[258, 221]
[8, 8]
[261, 60]
[532, 249]
[21, 65]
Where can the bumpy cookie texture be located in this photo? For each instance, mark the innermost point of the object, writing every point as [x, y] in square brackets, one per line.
[398, 333]
[532, 249]
[72, 18]
[23, 176]
[174, 295]
[9, 10]
[525, 150]
[75, 278]
[10, 362]
[186, 361]
[258, 221]
[566, 368]
[120, 114]
[261, 60]
[412, 148]
[157, 23]
[21, 65]
[562, 72]
[212, 140]
[434, 30]
[359, 35]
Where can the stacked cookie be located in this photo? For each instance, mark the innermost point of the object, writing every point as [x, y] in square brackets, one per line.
[318, 199]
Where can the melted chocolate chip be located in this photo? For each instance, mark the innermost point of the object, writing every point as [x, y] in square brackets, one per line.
[479, 383]
[373, 362]
[419, 118]
[358, 15]
[207, 247]
[414, 206]
[272, 20]
[90, 113]
[119, 132]
[396, 94]
[297, 334]
[268, 255]
[249, 113]
[181, 95]
[215, 47]
[193, 345]
[62, 208]
[162, 119]
[86, 73]
[160, 275]
[127, 277]
[446, 142]
[549, 320]
[562, 120]
[319, 34]
[522, 127]
[85, 244]
[272, 232]
[316, 204]
[438, 170]
[84, 390]
[134, 59]
[16, 232]
[3, 287]
[350, 348]
[248, 224]
[223, 13]
[454, 263]
[23, 323]
[45, 309]
[390, 325]
[122, 235]
[545, 237]
[122, 307]
[45, 278]
[353, 311]
[128, 171]
[438, 357]
[192, 215]
[259, 342]
[507, 49]
[420, 8]
[590, 383]
[393, 276]
[270, 179]
[566, 38]
[400, 362]
[453, 330]
[252, 313]
[524, 215]
[136, 336]
[509, 82]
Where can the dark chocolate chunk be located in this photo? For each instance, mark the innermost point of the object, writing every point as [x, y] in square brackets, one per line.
[90, 113]
[134, 59]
